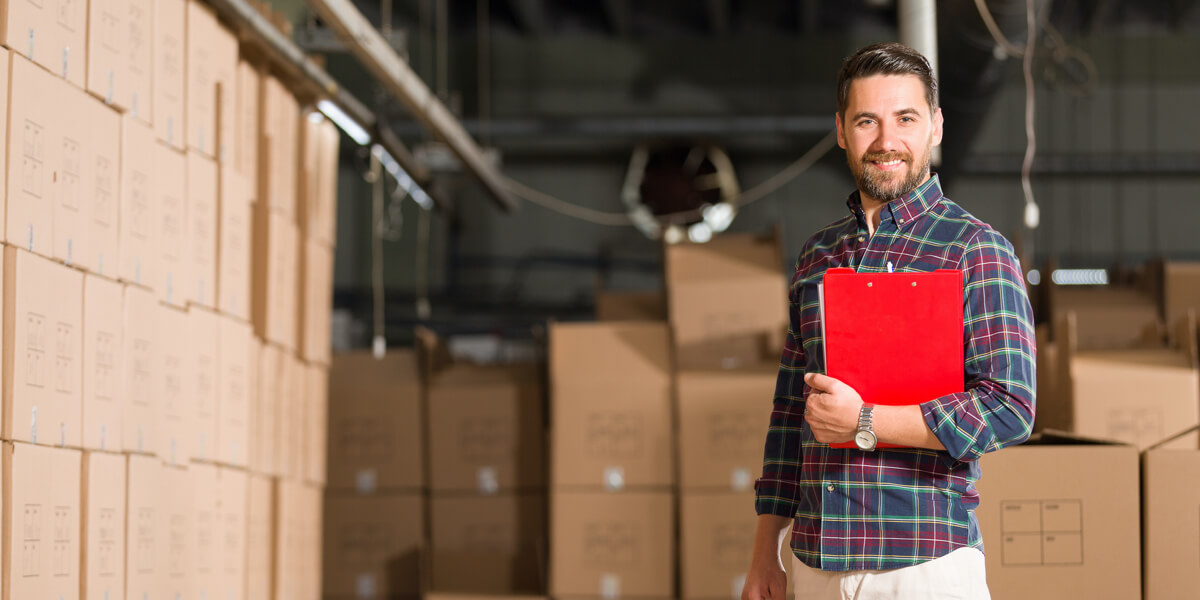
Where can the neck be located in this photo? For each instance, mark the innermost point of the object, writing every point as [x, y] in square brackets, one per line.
[872, 210]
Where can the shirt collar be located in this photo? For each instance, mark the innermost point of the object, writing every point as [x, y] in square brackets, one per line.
[905, 208]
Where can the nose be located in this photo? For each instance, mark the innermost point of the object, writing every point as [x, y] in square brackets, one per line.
[886, 138]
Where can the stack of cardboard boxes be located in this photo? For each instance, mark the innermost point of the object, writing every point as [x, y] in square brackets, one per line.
[612, 461]
[727, 305]
[1117, 375]
[132, 427]
[375, 515]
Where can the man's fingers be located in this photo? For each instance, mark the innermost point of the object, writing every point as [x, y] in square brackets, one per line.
[823, 383]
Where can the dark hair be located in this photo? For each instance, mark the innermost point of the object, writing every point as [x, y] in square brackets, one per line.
[885, 58]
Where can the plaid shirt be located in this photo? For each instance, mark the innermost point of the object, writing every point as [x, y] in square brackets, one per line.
[895, 508]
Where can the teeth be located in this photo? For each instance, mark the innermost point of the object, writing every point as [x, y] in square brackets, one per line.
[890, 163]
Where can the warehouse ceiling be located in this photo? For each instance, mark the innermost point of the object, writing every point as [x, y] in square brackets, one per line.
[553, 79]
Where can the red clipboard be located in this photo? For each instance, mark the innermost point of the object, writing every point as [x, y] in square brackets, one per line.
[896, 338]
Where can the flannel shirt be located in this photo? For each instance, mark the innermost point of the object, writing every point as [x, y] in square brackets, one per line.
[894, 508]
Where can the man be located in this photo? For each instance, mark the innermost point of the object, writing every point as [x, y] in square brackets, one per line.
[894, 523]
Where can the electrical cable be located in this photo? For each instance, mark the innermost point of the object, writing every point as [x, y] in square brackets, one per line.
[799, 166]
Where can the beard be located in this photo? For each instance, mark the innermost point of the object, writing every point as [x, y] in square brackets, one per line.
[884, 186]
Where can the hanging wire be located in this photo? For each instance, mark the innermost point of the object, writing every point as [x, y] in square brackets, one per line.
[758, 192]
[375, 177]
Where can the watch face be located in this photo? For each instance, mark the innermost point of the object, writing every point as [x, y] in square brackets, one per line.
[865, 440]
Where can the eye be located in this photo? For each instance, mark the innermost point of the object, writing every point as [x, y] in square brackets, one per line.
[865, 122]
[907, 119]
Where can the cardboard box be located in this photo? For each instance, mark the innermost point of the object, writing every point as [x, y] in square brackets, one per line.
[146, 538]
[319, 140]
[203, 377]
[1107, 318]
[200, 102]
[245, 149]
[43, 338]
[376, 425]
[42, 500]
[316, 423]
[289, 418]
[324, 229]
[316, 309]
[169, 75]
[1067, 532]
[729, 287]
[103, 364]
[138, 237]
[103, 569]
[101, 189]
[29, 318]
[234, 378]
[271, 372]
[486, 427]
[108, 50]
[611, 420]
[70, 140]
[288, 546]
[169, 195]
[612, 544]
[175, 355]
[233, 249]
[716, 538]
[142, 382]
[207, 526]
[1181, 289]
[279, 122]
[723, 418]
[254, 460]
[630, 306]
[233, 501]
[372, 545]
[488, 544]
[179, 551]
[225, 82]
[274, 277]
[201, 233]
[1094, 390]
[33, 150]
[140, 54]
[1171, 521]
[259, 537]
[52, 35]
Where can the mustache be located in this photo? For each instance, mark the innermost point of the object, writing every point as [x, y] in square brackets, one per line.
[886, 156]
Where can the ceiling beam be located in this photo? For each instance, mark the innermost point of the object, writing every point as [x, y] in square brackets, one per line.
[398, 78]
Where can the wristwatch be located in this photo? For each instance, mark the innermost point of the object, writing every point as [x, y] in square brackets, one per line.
[865, 438]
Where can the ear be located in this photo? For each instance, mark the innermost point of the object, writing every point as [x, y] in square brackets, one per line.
[841, 135]
[937, 127]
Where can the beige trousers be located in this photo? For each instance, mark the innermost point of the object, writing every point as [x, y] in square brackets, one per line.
[958, 575]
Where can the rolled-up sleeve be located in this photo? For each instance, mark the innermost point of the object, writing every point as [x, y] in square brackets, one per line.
[997, 408]
[776, 492]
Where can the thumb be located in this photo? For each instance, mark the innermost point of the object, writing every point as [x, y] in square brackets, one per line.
[820, 382]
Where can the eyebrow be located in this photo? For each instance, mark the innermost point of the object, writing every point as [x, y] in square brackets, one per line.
[901, 112]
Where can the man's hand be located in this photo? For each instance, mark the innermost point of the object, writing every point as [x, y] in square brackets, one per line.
[766, 578]
[832, 409]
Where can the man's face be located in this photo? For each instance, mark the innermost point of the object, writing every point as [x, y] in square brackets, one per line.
[888, 133]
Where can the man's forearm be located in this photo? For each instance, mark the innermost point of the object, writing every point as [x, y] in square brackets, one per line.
[769, 536]
[904, 425]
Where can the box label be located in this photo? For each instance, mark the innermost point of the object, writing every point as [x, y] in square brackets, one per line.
[1042, 532]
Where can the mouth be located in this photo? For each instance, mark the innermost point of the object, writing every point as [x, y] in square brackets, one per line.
[887, 165]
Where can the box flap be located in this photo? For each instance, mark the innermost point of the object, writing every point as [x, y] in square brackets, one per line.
[1054, 437]
[1173, 437]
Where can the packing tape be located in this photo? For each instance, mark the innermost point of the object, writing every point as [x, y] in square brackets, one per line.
[736, 585]
[33, 425]
[740, 479]
[365, 481]
[66, 60]
[487, 480]
[364, 586]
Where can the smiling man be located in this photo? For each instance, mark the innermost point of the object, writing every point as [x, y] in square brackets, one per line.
[870, 523]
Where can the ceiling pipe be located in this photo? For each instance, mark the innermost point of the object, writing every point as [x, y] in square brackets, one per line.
[287, 58]
[366, 43]
[918, 30]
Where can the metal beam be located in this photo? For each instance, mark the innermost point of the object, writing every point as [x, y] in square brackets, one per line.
[398, 78]
[287, 58]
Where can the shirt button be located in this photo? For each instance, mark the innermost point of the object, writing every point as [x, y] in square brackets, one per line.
[829, 487]
[901, 221]
[862, 239]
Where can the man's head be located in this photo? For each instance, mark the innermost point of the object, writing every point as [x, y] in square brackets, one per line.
[888, 120]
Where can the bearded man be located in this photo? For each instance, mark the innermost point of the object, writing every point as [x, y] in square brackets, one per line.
[869, 522]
